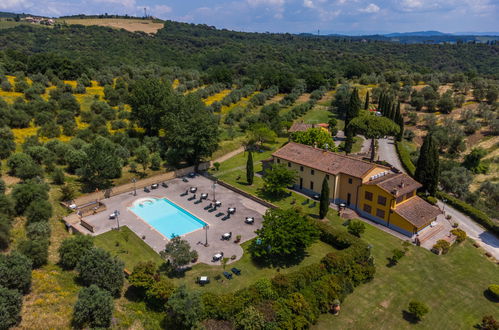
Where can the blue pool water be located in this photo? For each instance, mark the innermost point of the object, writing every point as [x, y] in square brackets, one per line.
[167, 218]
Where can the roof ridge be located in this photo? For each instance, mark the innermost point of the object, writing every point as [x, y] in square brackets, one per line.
[336, 154]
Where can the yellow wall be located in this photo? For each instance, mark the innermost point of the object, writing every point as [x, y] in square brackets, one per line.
[405, 199]
[346, 188]
[376, 191]
[400, 222]
[308, 177]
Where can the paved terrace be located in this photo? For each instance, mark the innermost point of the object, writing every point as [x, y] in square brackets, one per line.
[235, 224]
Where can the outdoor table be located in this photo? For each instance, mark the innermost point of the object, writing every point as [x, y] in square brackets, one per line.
[73, 206]
[193, 189]
[218, 203]
[231, 210]
[154, 186]
[112, 215]
[204, 196]
[249, 220]
[217, 256]
[226, 235]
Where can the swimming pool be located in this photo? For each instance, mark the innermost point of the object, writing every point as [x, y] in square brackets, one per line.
[167, 218]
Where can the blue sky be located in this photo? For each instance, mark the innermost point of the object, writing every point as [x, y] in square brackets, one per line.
[328, 16]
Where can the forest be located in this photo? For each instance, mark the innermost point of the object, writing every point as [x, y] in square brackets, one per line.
[86, 108]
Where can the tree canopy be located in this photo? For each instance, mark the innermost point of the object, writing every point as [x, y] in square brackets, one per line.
[318, 136]
[284, 234]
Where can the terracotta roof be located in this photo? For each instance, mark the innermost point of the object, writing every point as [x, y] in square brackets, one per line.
[397, 184]
[302, 127]
[325, 161]
[417, 211]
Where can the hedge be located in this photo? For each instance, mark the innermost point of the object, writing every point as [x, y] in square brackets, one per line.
[405, 159]
[471, 211]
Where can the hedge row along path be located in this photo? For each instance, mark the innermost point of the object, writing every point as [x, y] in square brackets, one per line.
[486, 239]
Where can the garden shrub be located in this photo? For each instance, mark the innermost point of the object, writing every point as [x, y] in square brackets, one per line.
[418, 309]
[36, 251]
[460, 234]
[441, 246]
[405, 158]
[494, 291]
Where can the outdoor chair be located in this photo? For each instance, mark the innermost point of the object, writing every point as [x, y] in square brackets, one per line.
[185, 180]
[147, 190]
[164, 185]
[305, 202]
[219, 214]
[208, 206]
[228, 275]
[236, 271]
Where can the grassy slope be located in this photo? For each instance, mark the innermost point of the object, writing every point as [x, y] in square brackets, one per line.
[127, 246]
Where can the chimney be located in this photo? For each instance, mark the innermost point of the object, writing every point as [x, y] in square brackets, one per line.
[402, 184]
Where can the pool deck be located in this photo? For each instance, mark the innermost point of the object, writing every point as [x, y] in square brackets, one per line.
[217, 227]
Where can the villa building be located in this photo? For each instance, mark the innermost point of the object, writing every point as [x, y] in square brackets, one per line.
[374, 191]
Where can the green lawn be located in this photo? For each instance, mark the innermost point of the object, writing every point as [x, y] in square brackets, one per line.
[250, 271]
[357, 145]
[318, 114]
[127, 246]
[451, 285]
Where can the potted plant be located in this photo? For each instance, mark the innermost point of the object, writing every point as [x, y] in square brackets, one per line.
[238, 239]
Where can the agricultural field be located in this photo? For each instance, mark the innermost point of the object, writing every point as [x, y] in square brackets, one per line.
[132, 25]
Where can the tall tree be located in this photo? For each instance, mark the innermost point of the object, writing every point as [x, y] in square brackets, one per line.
[353, 109]
[427, 168]
[284, 234]
[373, 127]
[7, 144]
[94, 308]
[249, 169]
[366, 102]
[277, 179]
[101, 163]
[349, 141]
[150, 99]
[324, 203]
[178, 252]
[191, 132]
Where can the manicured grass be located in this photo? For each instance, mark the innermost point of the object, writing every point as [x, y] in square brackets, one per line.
[127, 246]
[357, 144]
[317, 115]
[451, 285]
[250, 271]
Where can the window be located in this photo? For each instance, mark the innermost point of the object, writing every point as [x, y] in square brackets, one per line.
[301, 168]
[400, 199]
[312, 172]
[311, 185]
[278, 161]
[289, 164]
[409, 195]
[367, 208]
[381, 200]
[327, 176]
[368, 196]
[380, 213]
[350, 180]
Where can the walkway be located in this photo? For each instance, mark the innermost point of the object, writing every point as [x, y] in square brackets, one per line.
[486, 239]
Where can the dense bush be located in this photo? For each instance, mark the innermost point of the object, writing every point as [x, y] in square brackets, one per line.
[10, 308]
[39, 210]
[494, 290]
[441, 246]
[418, 309]
[36, 251]
[460, 234]
[73, 249]
[26, 193]
[94, 308]
[405, 158]
[15, 272]
[100, 268]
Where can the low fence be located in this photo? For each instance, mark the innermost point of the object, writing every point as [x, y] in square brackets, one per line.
[139, 184]
[239, 191]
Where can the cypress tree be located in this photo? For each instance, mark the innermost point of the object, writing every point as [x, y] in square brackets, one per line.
[249, 169]
[349, 141]
[393, 112]
[324, 203]
[427, 168]
[353, 106]
[366, 103]
[400, 122]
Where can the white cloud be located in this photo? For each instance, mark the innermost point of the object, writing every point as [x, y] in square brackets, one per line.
[123, 3]
[14, 4]
[276, 3]
[308, 3]
[161, 10]
[371, 9]
[411, 4]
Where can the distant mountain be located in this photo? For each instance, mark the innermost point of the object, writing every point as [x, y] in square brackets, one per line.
[11, 15]
[417, 34]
